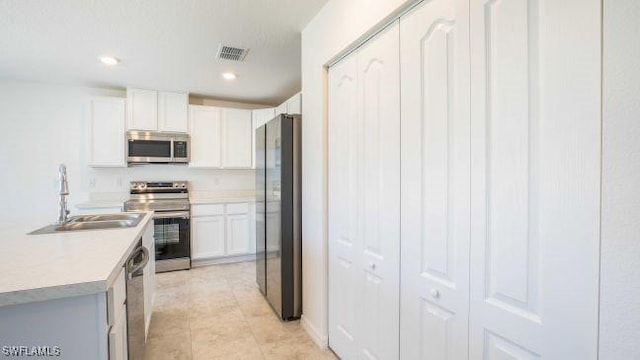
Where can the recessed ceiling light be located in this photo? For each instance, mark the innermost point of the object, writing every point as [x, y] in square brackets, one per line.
[229, 76]
[109, 60]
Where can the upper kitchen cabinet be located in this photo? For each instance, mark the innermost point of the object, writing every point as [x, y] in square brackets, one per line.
[150, 110]
[237, 142]
[221, 138]
[172, 111]
[262, 116]
[205, 129]
[292, 106]
[142, 109]
[106, 132]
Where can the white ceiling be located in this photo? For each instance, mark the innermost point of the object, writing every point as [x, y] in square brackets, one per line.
[163, 44]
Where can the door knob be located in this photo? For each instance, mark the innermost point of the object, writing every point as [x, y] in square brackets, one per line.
[435, 293]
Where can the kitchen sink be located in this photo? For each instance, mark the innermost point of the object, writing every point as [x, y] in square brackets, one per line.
[93, 222]
[108, 217]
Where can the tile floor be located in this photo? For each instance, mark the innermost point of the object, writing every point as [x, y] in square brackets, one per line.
[217, 312]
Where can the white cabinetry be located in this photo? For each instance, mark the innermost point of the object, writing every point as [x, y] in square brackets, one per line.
[221, 230]
[205, 135]
[150, 110]
[149, 277]
[172, 111]
[106, 128]
[237, 142]
[262, 116]
[364, 200]
[293, 105]
[207, 236]
[117, 318]
[221, 138]
[142, 109]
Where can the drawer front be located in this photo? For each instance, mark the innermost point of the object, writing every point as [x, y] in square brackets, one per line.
[207, 209]
[116, 296]
[237, 208]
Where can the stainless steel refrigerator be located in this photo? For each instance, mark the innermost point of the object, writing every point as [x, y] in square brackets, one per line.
[278, 215]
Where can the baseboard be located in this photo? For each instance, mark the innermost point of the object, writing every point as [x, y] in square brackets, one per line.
[222, 260]
[321, 340]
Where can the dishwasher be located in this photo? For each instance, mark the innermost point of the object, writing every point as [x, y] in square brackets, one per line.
[134, 268]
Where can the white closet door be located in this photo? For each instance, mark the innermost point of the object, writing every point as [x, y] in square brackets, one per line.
[378, 267]
[535, 130]
[434, 53]
[344, 244]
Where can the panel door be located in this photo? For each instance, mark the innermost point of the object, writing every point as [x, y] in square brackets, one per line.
[237, 138]
[142, 109]
[106, 132]
[205, 137]
[535, 130]
[294, 104]
[208, 236]
[263, 116]
[118, 349]
[172, 111]
[434, 55]
[282, 108]
[344, 243]
[378, 266]
[238, 234]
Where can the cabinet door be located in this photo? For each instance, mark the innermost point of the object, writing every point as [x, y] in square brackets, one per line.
[118, 337]
[238, 239]
[535, 179]
[106, 132]
[149, 277]
[238, 138]
[294, 105]
[142, 110]
[207, 236]
[378, 267]
[263, 116]
[205, 137]
[434, 56]
[282, 108]
[172, 111]
[343, 212]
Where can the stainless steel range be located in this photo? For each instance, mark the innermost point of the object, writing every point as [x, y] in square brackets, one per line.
[170, 202]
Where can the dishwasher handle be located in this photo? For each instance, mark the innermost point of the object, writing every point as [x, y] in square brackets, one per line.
[132, 267]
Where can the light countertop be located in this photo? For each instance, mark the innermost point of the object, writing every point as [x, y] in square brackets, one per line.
[53, 266]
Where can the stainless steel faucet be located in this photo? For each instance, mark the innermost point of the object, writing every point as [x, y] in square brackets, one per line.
[63, 213]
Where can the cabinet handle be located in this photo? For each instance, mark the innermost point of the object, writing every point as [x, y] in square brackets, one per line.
[372, 265]
[434, 293]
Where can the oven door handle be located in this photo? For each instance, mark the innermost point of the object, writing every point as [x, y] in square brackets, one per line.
[171, 214]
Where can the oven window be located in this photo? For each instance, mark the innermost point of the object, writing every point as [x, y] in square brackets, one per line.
[172, 238]
[150, 148]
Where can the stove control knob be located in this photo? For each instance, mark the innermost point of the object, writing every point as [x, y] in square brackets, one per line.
[142, 186]
[183, 185]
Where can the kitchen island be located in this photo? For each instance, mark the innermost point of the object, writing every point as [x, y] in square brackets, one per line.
[65, 292]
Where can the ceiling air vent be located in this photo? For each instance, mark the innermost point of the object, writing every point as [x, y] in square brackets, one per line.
[231, 53]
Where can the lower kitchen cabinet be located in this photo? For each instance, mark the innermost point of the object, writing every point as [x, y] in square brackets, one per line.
[221, 230]
[149, 278]
[207, 236]
[118, 337]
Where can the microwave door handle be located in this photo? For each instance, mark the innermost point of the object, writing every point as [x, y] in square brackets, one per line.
[173, 144]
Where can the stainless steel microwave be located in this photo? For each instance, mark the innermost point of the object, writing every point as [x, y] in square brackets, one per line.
[144, 147]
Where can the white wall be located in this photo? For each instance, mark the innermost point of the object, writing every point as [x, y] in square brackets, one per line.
[45, 125]
[620, 251]
[339, 25]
